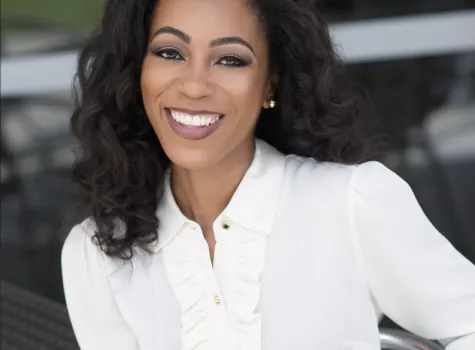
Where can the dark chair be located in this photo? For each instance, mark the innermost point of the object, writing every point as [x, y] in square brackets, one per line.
[392, 339]
[32, 322]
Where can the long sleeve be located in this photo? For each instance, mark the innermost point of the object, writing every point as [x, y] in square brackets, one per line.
[416, 276]
[94, 315]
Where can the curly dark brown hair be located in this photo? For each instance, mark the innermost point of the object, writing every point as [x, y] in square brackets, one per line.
[120, 169]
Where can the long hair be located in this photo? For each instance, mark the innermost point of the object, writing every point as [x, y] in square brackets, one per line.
[120, 169]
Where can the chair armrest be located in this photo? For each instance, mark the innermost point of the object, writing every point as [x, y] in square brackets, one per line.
[392, 339]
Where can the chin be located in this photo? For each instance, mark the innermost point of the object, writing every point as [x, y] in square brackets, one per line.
[193, 158]
[200, 154]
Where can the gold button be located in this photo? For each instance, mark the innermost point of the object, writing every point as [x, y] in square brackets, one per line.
[225, 225]
[217, 300]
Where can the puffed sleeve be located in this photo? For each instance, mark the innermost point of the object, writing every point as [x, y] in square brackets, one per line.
[96, 320]
[416, 276]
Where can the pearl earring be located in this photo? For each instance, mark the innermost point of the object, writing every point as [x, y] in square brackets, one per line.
[271, 104]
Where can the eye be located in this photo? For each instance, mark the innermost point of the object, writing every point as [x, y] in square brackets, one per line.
[233, 61]
[168, 54]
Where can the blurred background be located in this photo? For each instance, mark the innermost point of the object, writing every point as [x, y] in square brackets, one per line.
[416, 59]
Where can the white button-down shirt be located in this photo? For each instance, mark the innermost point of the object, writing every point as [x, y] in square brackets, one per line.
[308, 254]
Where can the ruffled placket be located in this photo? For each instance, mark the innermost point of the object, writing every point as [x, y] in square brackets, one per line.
[239, 262]
[205, 322]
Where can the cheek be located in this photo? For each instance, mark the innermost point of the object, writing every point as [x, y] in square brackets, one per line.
[153, 84]
[154, 81]
[149, 87]
[245, 89]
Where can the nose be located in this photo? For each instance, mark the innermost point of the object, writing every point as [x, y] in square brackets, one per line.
[195, 81]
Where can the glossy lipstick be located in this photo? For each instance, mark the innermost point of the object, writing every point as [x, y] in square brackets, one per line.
[193, 125]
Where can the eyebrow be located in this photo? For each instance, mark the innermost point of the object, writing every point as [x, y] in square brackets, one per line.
[216, 42]
[173, 31]
[231, 40]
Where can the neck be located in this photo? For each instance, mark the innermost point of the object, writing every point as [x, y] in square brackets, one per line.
[203, 194]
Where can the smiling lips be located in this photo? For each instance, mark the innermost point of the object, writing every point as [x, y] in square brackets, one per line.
[194, 120]
[193, 125]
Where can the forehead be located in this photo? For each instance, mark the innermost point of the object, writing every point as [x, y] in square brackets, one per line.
[208, 19]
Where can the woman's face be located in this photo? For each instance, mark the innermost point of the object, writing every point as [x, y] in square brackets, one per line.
[204, 79]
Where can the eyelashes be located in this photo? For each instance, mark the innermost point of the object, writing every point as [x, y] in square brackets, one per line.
[232, 61]
[168, 54]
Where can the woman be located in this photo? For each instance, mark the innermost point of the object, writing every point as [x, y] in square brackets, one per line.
[232, 203]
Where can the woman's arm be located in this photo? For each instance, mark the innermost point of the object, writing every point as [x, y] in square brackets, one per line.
[416, 276]
[95, 318]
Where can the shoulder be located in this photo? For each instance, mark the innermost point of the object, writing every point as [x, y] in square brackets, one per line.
[372, 179]
[81, 251]
[84, 232]
[366, 180]
[367, 177]
[83, 258]
[79, 244]
[81, 233]
[303, 167]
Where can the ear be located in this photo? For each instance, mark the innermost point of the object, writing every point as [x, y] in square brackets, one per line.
[271, 88]
[272, 85]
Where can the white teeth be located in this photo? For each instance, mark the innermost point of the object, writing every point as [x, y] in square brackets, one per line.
[193, 120]
[196, 121]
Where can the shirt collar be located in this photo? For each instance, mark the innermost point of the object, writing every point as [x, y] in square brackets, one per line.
[252, 206]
